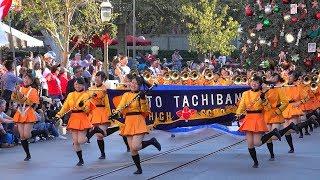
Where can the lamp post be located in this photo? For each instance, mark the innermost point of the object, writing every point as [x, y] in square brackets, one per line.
[106, 14]
[134, 22]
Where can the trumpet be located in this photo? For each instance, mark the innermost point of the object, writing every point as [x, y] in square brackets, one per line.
[174, 75]
[194, 75]
[314, 86]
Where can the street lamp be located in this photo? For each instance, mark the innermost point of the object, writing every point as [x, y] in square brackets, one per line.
[106, 14]
[106, 11]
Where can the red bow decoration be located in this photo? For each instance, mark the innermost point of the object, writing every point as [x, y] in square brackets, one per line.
[186, 113]
[106, 38]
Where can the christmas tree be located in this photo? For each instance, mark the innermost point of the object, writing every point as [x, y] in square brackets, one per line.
[277, 30]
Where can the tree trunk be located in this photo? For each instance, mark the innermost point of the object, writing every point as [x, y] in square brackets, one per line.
[53, 45]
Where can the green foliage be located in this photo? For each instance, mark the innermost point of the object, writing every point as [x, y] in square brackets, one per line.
[211, 28]
[66, 19]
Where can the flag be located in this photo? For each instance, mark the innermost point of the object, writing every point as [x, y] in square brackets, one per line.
[4, 8]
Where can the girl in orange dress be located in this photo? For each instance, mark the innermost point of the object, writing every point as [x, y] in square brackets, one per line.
[292, 113]
[251, 104]
[272, 113]
[135, 125]
[27, 97]
[99, 116]
[309, 108]
[79, 104]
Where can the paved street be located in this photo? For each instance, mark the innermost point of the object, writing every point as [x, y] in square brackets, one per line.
[55, 159]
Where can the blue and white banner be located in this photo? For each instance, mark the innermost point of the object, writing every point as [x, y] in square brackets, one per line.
[176, 106]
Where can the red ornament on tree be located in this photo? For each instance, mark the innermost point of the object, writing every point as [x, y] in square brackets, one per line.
[286, 1]
[294, 19]
[248, 10]
[317, 16]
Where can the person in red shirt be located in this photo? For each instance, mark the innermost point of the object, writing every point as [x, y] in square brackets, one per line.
[54, 85]
[63, 77]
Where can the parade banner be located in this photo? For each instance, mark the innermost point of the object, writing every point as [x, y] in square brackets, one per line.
[179, 106]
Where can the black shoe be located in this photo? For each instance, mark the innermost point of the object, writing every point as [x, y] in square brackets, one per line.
[156, 144]
[27, 158]
[103, 156]
[307, 134]
[291, 151]
[80, 163]
[301, 136]
[271, 159]
[139, 171]
[255, 165]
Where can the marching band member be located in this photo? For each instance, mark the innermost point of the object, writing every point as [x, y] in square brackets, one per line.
[252, 104]
[224, 78]
[99, 116]
[272, 113]
[78, 104]
[292, 113]
[135, 126]
[27, 97]
[310, 105]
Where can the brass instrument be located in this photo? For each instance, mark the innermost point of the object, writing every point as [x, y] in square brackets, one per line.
[147, 75]
[166, 76]
[317, 72]
[237, 80]
[194, 75]
[244, 79]
[315, 78]
[264, 78]
[174, 76]
[208, 75]
[314, 86]
[306, 79]
[184, 75]
[240, 80]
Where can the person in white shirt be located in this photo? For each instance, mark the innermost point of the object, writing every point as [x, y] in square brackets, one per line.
[122, 69]
[155, 68]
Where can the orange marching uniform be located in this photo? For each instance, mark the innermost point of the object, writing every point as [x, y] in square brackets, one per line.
[25, 97]
[277, 103]
[134, 114]
[294, 94]
[78, 119]
[251, 105]
[101, 113]
[312, 102]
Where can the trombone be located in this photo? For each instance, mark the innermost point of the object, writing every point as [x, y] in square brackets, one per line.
[147, 75]
[166, 76]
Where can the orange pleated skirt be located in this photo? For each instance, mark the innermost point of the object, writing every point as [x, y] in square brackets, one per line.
[271, 117]
[311, 105]
[291, 112]
[254, 122]
[99, 115]
[28, 117]
[134, 125]
[79, 121]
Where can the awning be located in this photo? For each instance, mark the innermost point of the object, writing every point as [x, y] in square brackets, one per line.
[20, 39]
